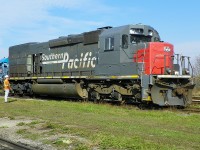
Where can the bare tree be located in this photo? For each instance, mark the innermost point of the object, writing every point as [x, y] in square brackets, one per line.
[197, 71]
[197, 66]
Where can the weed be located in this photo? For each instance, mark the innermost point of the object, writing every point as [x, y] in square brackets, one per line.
[11, 117]
[50, 125]
[34, 122]
[22, 131]
[3, 127]
[21, 124]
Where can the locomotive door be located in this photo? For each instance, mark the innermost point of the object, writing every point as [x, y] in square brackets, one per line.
[37, 69]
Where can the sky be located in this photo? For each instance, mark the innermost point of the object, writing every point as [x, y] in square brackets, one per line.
[23, 21]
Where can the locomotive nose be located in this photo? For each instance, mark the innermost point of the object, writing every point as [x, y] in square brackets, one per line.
[160, 58]
[157, 58]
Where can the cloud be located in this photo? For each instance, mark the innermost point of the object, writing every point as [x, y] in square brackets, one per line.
[22, 13]
[26, 21]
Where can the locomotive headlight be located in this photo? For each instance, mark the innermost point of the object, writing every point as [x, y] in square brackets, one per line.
[150, 33]
[187, 71]
[176, 73]
[168, 70]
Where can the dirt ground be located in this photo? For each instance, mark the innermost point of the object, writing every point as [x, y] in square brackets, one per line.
[8, 129]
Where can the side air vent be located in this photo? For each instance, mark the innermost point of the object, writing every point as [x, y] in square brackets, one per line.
[66, 40]
[91, 37]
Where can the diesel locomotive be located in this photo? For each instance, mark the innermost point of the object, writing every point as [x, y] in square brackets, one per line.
[129, 63]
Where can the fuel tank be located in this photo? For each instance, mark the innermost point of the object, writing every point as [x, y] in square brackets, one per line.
[70, 90]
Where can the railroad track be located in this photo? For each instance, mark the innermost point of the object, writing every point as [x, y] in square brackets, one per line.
[9, 145]
[195, 101]
[192, 110]
[196, 97]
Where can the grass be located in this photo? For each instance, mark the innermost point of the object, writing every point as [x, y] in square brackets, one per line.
[196, 91]
[105, 126]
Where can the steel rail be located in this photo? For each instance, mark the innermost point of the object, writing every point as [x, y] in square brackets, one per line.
[191, 110]
[13, 145]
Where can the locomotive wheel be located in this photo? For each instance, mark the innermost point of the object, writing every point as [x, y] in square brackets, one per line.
[94, 96]
[121, 102]
[116, 96]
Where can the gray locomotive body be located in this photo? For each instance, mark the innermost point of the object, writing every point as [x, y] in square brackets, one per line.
[108, 63]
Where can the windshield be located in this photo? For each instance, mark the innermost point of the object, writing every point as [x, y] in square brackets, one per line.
[140, 38]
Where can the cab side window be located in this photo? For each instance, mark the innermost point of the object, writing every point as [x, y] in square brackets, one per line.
[124, 41]
[109, 44]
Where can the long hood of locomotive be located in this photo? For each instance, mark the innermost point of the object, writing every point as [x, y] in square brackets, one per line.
[155, 57]
[69, 61]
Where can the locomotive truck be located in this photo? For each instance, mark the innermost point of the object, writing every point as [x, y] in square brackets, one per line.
[129, 63]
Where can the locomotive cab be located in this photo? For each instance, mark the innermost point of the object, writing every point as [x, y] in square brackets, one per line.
[163, 81]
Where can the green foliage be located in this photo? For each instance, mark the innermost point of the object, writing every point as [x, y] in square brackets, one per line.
[50, 125]
[70, 143]
[3, 127]
[21, 124]
[27, 134]
[11, 117]
[34, 123]
[22, 131]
